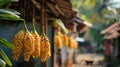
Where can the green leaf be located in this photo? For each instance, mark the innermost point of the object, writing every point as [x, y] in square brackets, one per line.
[5, 57]
[9, 17]
[14, 11]
[7, 14]
[5, 2]
[62, 26]
[6, 11]
[5, 43]
[2, 63]
[87, 2]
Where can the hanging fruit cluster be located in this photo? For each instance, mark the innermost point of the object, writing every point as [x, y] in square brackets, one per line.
[23, 40]
[31, 44]
[18, 43]
[58, 38]
[62, 38]
[28, 45]
[36, 52]
[72, 43]
[45, 48]
[65, 39]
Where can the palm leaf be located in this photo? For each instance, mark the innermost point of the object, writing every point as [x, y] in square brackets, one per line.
[14, 11]
[62, 26]
[5, 2]
[2, 63]
[5, 57]
[5, 43]
[7, 14]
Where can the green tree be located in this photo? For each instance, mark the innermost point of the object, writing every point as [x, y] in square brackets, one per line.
[101, 13]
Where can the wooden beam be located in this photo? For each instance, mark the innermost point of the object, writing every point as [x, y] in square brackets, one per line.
[53, 8]
[64, 2]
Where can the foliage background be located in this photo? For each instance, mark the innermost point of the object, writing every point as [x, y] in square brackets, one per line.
[100, 13]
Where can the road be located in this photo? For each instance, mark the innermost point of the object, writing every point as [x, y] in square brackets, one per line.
[80, 60]
[84, 65]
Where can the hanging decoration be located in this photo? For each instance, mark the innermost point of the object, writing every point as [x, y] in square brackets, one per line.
[72, 43]
[36, 36]
[58, 39]
[23, 40]
[45, 43]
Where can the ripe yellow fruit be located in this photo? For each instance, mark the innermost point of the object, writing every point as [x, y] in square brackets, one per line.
[60, 35]
[36, 53]
[65, 39]
[72, 43]
[58, 41]
[18, 43]
[45, 51]
[28, 45]
[55, 40]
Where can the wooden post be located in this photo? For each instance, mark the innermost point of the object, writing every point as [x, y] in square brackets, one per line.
[43, 16]
[43, 23]
[52, 50]
[22, 7]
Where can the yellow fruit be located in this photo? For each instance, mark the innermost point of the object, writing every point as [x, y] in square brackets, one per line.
[45, 51]
[58, 41]
[18, 43]
[36, 53]
[69, 43]
[74, 44]
[55, 40]
[60, 35]
[28, 45]
[65, 39]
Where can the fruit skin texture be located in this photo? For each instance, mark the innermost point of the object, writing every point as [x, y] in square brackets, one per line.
[36, 52]
[45, 51]
[28, 45]
[18, 44]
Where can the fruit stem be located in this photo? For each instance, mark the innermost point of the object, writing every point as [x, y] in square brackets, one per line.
[25, 27]
[33, 23]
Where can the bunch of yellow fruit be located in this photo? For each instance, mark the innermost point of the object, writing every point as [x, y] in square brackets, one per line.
[58, 38]
[72, 43]
[62, 38]
[45, 48]
[32, 45]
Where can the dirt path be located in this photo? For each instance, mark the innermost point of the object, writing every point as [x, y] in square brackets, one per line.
[80, 60]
